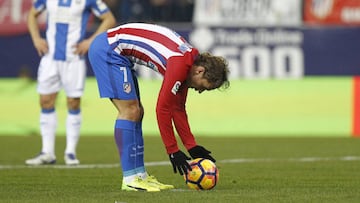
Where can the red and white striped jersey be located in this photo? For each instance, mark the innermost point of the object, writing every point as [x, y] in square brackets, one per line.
[165, 51]
[148, 44]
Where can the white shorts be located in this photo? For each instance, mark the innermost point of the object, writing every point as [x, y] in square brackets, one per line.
[54, 75]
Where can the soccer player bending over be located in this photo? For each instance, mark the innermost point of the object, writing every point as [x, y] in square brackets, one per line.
[112, 56]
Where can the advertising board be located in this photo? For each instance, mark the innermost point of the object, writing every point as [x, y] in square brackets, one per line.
[253, 53]
[332, 12]
[13, 17]
[283, 52]
[248, 12]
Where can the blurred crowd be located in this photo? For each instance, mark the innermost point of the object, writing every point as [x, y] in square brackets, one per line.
[152, 10]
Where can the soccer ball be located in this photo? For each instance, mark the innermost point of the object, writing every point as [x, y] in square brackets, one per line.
[204, 174]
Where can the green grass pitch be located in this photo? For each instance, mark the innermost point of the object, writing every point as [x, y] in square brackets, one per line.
[274, 141]
[251, 170]
[319, 106]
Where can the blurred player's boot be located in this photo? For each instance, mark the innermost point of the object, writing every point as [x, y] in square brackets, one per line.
[41, 159]
[139, 185]
[154, 182]
[70, 159]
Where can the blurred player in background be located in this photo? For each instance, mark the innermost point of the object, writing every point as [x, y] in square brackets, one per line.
[112, 56]
[63, 66]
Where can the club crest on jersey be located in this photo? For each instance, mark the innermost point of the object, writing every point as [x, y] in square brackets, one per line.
[127, 87]
[176, 87]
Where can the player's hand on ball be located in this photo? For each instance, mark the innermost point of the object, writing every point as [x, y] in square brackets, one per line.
[200, 152]
[179, 162]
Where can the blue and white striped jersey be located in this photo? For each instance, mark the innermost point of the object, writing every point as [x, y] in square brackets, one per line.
[66, 24]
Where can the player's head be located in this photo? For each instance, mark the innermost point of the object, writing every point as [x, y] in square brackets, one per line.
[209, 72]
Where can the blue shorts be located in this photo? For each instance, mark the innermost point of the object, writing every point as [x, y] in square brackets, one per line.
[114, 73]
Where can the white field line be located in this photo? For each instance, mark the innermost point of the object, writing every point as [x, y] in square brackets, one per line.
[163, 163]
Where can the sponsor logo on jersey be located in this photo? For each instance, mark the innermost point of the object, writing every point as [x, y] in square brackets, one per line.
[127, 87]
[184, 47]
[176, 87]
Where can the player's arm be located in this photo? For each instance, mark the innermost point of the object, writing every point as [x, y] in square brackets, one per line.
[174, 95]
[169, 102]
[182, 126]
[180, 120]
[107, 21]
[171, 107]
[40, 43]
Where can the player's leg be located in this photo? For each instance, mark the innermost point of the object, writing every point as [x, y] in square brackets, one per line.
[128, 135]
[48, 123]
[113, 75]
[130, 143]
[48, 86]
[140, 164]
[125, 134]
[73, 76]
[139, 140]
[131, 150]
[73, 125]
